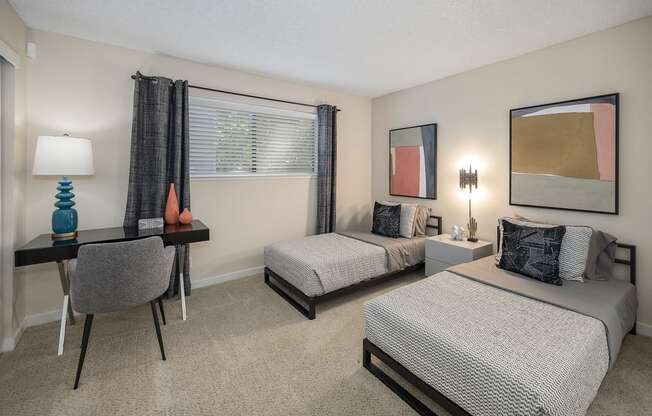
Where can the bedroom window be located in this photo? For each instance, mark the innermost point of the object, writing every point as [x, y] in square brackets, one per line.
[232, 139]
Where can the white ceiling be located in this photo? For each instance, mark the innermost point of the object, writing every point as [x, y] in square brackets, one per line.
[367, 47]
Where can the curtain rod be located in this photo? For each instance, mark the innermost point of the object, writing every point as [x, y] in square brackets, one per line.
[138, 75]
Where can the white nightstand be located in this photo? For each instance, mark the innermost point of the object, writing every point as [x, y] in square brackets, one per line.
[442, 252]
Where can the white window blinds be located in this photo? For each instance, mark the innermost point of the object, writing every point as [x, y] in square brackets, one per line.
[233, 139]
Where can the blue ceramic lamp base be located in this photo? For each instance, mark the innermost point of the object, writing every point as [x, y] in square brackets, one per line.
[64, 219]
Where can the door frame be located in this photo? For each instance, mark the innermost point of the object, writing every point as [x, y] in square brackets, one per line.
[9, 328]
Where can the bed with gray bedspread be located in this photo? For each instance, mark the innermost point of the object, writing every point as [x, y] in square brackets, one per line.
[323, 263]
[497, 343]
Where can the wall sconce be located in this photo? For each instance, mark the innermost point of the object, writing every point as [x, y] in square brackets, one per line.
[470, 179]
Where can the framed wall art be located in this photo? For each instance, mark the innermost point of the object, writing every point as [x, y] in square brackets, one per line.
[565, 155]
[413, 161]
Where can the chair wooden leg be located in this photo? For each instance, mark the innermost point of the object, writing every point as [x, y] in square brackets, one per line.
[160, 306]
[87, 333]
[158, 329]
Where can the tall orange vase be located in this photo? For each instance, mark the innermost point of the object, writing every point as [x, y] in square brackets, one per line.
[172, 207]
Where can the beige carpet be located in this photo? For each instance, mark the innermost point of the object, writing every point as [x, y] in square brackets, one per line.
[243, 351]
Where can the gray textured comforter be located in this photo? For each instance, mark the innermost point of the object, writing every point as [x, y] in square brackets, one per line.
[401, 252]
[490, 351]
[323, 263]
[612, 302]
[500, 344]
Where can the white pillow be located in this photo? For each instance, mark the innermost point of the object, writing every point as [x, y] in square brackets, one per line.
[408, 216]
[574, 247]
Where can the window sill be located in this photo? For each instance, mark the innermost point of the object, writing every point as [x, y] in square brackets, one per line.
[250, 177]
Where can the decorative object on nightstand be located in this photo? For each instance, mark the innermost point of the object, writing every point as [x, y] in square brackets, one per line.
[470, 179]
[63, 156]
[443, 252]
[457, 233]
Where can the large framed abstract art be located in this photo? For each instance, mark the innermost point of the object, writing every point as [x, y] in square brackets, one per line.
[565, 155]
[413, 161]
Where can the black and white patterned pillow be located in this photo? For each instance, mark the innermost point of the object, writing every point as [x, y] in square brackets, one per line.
[387, 220]
[574, 251]
[532, 251]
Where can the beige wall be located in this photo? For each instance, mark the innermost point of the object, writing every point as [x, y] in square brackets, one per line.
[13, 32]
[472, 111]
[85, 88]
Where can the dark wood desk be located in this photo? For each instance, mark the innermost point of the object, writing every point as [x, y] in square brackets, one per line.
[43, 249]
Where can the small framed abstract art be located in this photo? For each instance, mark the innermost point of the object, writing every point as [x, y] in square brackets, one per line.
[565, 155]
[413, 161]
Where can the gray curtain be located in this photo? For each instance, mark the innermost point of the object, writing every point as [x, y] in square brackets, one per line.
[159, 156]
[326, 168]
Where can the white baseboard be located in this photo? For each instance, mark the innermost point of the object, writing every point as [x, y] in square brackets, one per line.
[44, 318]
[9, 343]
[226, 277]
[643, 329]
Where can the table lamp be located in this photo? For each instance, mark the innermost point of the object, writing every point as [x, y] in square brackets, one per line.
[470, 179]
[63, 156]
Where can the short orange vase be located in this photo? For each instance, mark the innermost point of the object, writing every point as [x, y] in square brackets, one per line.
[185, 217]
[172, 207]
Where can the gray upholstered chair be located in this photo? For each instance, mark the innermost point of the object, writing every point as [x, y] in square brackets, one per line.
[113, 277]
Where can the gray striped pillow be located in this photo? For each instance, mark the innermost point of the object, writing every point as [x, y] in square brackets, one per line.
[574, 252]
[574, 248]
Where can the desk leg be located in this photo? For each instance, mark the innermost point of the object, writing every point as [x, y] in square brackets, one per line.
[62, 330]
[65, 286]
[182, 290]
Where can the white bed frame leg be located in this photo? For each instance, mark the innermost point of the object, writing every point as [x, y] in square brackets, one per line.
[62, 330]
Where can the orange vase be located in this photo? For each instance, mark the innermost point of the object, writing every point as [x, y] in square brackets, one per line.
[185, 217]
[172, 207]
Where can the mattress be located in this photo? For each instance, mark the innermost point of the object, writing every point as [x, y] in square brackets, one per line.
[323, 263]
[613, 302]
[491, 351]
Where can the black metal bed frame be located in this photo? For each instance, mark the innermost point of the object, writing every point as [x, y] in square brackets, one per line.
[296, 297]
[369, 349]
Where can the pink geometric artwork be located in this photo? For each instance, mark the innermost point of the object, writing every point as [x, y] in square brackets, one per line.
[413, 161]
[405, 178]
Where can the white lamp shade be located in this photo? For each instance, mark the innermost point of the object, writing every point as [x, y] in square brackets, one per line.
[63, 156]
